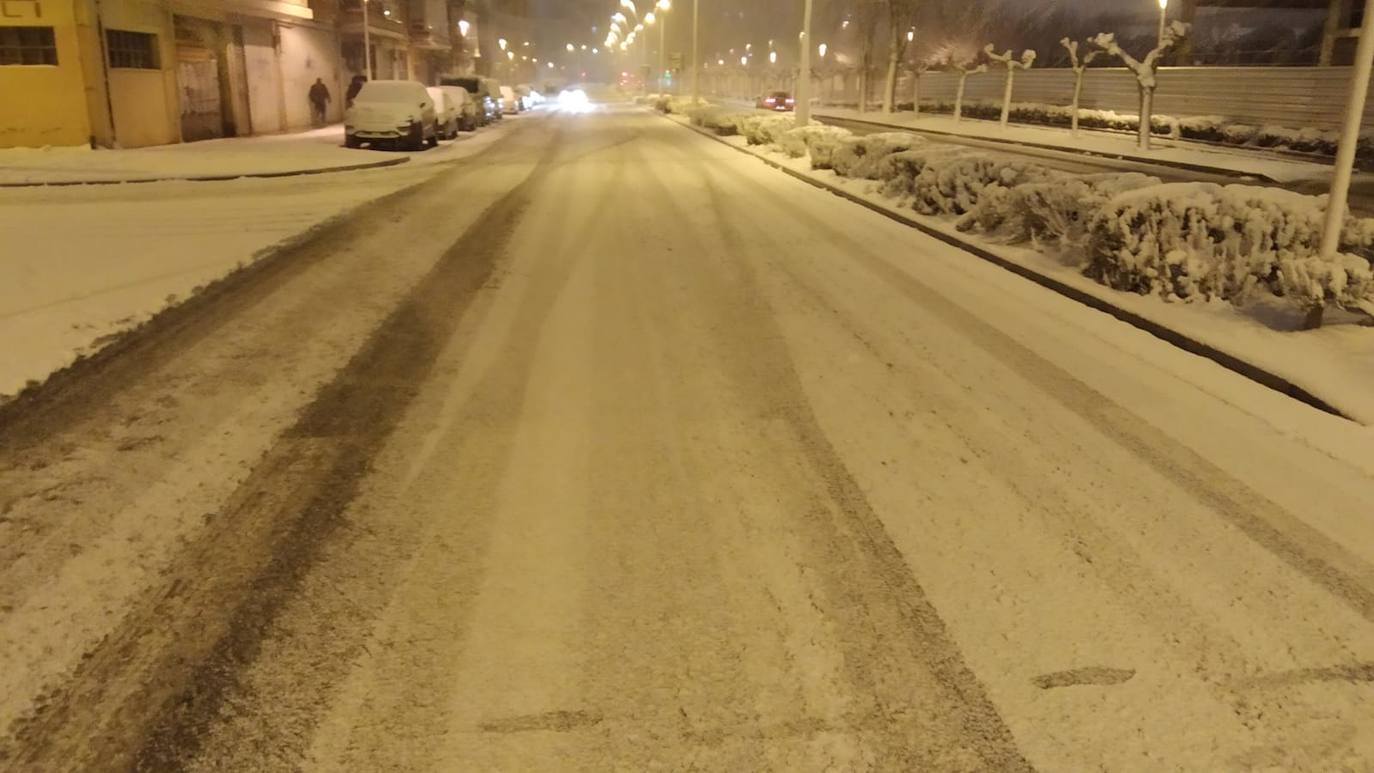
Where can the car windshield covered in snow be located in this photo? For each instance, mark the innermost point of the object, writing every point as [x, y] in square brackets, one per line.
[390, 91]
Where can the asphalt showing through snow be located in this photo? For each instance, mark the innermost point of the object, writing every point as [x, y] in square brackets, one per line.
[614, 449]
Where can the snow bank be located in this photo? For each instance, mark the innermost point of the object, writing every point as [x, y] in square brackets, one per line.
[723, 121]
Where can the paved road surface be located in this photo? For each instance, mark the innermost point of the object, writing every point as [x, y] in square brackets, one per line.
[614, 449]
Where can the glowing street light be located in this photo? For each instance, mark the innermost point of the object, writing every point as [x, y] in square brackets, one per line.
[502, 43]
[772, 57]
[463, 26]
[821, 49]
[571, 48]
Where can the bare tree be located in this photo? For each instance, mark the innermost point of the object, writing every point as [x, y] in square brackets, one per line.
[964, 69]
[865, 19]
[901, 17]
[1080, 66]
[1024, 63]
[1146, 70]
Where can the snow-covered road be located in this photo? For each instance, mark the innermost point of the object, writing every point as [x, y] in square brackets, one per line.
[612, 448]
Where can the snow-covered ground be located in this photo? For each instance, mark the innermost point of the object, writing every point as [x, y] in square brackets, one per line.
[82, 264]
[1334, 363]
[316, 150]
[1253, 162]
[787, 486]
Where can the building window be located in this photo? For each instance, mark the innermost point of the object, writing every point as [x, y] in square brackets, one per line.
[27, 45]
[137, 50]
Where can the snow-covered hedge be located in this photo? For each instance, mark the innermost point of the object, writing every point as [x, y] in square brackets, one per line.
[678, 105]
[1203, 241]
[899, 171]
[861, 156]
[1182, 241]
[766, 129]
[817, 141]
[955, 187]
[1056, 210]
[722, 121]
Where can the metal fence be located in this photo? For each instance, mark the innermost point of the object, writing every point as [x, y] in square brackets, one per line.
[1295, 97]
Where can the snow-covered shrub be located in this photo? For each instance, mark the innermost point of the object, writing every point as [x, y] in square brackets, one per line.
[899, 171]
[766, 129]
[817, 141]
[718, 119]
[860, 156]
[1201, 241]
[954, 188]
[1057, 209]
[681, 105]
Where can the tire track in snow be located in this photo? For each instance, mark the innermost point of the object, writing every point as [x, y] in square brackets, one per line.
[128, 706]
[931, 710]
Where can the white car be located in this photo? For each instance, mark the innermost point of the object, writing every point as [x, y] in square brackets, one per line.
[398, 113]
[510, 104]
[446, 112]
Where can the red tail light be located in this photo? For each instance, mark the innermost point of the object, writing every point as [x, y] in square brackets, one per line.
[791, 102]
[769, 101]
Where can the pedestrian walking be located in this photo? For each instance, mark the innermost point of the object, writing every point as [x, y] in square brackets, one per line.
[319, 101]
[354, 86]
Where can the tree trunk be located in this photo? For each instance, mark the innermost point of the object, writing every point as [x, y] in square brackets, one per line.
[959, 98]
[1313, 320]
[1077, 93]
[1006, 95]
[916, 93]
[1146, 113]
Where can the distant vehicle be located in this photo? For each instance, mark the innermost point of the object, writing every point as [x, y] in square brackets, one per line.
[528, 97]
[510, 103]
[469, 114]
[487, 108]
[777, 100]
[446, 111]
[396, 113]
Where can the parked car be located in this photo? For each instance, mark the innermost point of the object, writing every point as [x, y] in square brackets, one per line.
[510, 104]
[526, 95]
[397, 113]
[777, 100]
[491, 89]
[476, 90]
[468, 118]
[446, 112]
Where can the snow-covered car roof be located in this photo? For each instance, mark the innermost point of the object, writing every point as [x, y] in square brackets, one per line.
[390, 91]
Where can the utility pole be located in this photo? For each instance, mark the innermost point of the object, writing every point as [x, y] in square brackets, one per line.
[1350, 137]
[662, 49]
[803, 107]
[696, 50]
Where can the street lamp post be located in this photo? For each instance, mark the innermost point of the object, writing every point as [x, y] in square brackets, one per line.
[696, 51]
[803, 106]
[367, 43]
[664, 6]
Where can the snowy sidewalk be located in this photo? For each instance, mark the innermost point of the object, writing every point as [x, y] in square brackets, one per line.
[1178, 153]
[310, 152]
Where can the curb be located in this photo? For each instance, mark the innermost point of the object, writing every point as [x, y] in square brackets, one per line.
[1184, 165]
[1230, 362]
[216, 177]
